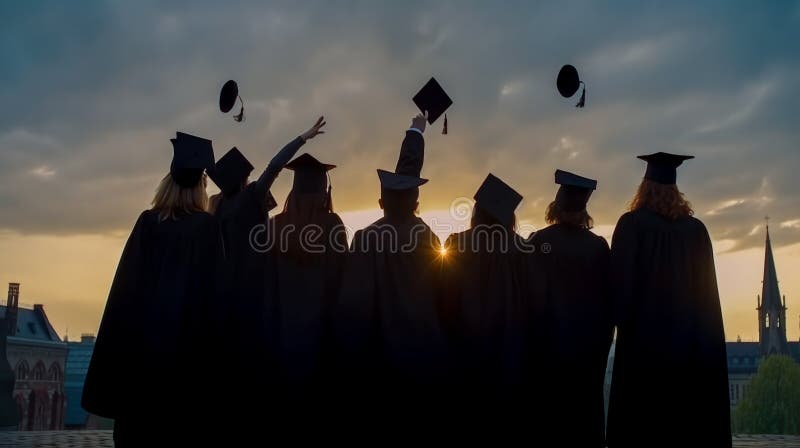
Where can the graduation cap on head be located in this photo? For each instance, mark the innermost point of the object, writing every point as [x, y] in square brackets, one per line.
[568, 83]
[574, 192]
[191, 155]
[662, 167]
[498, 199]
[227, 99]
[310, 175]
[230, 171]
[433, 99]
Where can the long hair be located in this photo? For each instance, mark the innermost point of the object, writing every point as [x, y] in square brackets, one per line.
[301, 211]
[666, 200]
[556, 214]
[171, 199]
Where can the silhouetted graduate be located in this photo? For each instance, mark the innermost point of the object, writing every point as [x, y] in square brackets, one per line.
[159, 314]
[310, 259]
[485, 277]
[575, 323]
[394, 353]
[670, 372]
[248, 275]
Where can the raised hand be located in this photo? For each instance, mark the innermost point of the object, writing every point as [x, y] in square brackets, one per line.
[419, 121]
[315, 130]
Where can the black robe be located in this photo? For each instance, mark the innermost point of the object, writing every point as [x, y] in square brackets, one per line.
[248, 286]
[149, 364]
[393, 352]
[670, 377]
[247, 278]
[488, 318]
[575, 330]
[307, 291]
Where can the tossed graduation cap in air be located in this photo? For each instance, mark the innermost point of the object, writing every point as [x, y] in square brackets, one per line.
[230, 171]
[568, 84]
[433, 99]
[191, 155]
[310, 175]
[498, 199]
[662, 167]
[574, 192]
[227, 99]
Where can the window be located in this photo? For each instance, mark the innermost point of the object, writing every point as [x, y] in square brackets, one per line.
[21, 371]
[737, 392]
[54, 373]
[38, 371]
[732, 396]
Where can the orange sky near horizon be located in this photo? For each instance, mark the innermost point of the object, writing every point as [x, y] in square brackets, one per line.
[71, 275]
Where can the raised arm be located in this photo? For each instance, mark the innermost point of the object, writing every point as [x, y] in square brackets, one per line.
[267, 178]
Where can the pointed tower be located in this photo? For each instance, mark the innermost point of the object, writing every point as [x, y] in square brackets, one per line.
[771, 311]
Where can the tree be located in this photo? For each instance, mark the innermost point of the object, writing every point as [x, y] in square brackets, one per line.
[772, 404]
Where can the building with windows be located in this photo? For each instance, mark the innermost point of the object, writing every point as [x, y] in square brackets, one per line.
[37, 356]
[745, 357]
[78, 357]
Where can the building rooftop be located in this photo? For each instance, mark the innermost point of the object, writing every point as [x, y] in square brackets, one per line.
[33, 324]
[745, 357]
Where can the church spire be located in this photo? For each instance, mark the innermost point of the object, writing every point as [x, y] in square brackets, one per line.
[771, 312]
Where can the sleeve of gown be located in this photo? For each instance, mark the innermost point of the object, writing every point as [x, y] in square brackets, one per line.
[623, 265]
[106, 376]
[261, 187]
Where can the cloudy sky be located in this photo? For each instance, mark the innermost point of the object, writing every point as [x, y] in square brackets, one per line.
[92, 92]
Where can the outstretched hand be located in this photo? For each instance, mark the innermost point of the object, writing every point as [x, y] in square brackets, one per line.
[419, 121]
[315, 130]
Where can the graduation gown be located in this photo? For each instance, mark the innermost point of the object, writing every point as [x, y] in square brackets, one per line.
[247, 278]
[670, 373]
[393, 352]
[307, 291]
[575, 329]
[157, 321]
[488, 316]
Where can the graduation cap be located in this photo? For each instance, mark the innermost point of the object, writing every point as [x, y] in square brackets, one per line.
[230, 171]
[574, 192]
[191, 155]
[227, 99]
[661, 166]
[433, 99]
[568, 84]
[498, 199]
[310, 175]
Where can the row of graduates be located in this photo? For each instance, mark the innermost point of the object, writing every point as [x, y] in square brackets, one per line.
[403, 336]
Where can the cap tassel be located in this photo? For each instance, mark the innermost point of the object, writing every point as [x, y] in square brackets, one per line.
[444, 130]
[582, 101]
[240, 116]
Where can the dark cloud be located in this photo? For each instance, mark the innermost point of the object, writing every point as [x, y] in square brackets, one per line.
[92, 93]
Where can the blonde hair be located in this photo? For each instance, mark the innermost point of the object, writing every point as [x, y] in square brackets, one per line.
[171, 198]
[666, 200]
